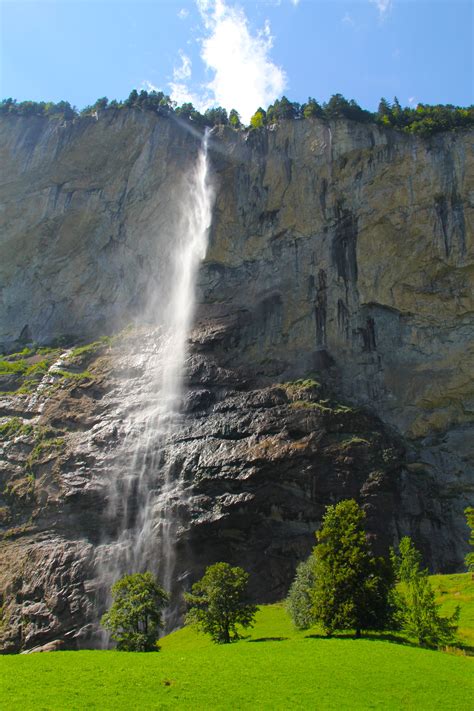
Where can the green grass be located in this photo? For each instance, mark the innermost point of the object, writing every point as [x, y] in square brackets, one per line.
[274, 668]
[452, 590]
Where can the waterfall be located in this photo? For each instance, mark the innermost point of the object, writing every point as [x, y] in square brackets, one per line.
[144, 494]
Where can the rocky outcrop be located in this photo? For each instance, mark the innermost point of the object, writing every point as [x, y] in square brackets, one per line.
[330, 355]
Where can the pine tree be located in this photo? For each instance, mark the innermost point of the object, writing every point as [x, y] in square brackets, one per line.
[418, 614]
[352, 587]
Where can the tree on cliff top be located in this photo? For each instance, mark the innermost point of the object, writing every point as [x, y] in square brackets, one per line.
[351, 587]
[134, 620]
[218, 603]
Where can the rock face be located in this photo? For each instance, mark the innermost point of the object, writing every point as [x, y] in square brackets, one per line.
[331, 355]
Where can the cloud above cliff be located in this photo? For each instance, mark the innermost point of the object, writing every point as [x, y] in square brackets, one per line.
[243, 75]
[383, 6]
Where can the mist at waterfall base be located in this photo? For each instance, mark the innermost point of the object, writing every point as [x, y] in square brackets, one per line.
[144, 495]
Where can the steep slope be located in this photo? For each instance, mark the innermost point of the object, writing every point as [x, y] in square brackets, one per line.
[340, 255]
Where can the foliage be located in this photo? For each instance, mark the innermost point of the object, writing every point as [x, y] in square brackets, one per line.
[134, 620]
[285, 668]
[299, 602]
[258, 120]
[352, 587]
[418, 613]
[451, 591]
[312, 109]
[234, 119]
[218, 603]
[339, 107]
[14, 427]
[423, 119]
[470, 522]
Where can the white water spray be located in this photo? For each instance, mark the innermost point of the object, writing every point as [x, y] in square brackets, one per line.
[146, 494]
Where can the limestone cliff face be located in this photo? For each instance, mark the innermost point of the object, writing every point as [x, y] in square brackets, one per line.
[340, 254]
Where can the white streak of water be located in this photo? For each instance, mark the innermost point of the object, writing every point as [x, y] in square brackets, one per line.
[144, 496]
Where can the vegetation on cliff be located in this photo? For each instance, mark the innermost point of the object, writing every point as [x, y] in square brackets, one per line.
[423, 119]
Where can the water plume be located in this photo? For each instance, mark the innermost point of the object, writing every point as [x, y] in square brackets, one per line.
[144, 493]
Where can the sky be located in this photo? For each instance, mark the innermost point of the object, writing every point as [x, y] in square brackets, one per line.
[238, 54]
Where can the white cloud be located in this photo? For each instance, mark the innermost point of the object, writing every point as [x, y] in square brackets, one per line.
[411, 100]
[183, 13]
[149, 86]
[348, 20]
[244, 77]
[184, 70]
[295, 2]
[383, 6]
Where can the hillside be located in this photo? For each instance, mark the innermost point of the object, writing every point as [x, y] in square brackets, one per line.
[274, 667]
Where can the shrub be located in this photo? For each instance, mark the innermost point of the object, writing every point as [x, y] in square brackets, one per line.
[299, 602]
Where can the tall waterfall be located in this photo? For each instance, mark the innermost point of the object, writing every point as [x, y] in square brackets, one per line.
[144, 493]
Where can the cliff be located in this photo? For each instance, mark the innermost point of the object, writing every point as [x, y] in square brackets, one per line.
[331, 354]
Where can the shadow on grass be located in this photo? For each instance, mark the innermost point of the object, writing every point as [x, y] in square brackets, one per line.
[459, 648]
[371, 637]
[268, 639]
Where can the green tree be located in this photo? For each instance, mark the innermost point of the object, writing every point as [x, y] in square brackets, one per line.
[299, 602]
[352, 588]
[234, 119]
[216, 116]
[470, 522]
[312, 109]
[132, 99]
[218, 603]
[258, 119]
[418, 614]
[134, 619]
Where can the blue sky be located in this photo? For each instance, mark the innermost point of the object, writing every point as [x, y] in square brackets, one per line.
[240, 54]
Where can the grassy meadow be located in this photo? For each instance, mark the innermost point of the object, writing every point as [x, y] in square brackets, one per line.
[274, 667]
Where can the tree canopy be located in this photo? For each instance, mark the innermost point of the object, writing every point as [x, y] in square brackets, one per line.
[417, 611]
[218, 603]
[423, 119]
[352, 587]
[470, 522]
[134, 619]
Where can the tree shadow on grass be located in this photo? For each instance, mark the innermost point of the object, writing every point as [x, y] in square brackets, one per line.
[460, 648]
[370, 636]
[268, 639]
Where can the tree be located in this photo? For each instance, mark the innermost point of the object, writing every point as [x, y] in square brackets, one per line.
[470, 522]
[418, 614]
[134, 619]
[234, 119]
[352, 588]
[218, 603]
[312, 109]
[299, 602]
[258, 119]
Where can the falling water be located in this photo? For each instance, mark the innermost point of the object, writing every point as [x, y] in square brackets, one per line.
[145, 495]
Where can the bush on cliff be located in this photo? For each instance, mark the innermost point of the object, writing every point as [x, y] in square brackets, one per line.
[134, 620]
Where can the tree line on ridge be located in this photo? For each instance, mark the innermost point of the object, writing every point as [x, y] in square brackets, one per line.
[424, 119]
